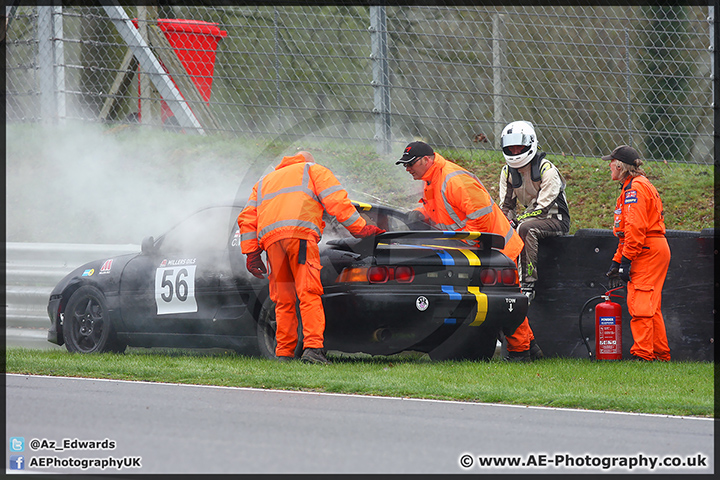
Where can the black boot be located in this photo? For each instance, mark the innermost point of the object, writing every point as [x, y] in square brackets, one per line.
[314, 355]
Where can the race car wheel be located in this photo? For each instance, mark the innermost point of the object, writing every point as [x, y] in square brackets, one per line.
[266, 327]
[86, 326]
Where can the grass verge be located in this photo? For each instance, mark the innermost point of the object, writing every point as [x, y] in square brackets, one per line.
[674, 388]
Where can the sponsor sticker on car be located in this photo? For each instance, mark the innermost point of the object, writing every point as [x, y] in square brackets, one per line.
[106, 267]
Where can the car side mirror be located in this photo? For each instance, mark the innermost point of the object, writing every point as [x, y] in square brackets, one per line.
[148, 245]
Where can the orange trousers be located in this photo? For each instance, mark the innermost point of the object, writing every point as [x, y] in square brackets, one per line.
[644, 298]
[520, 340]
[295, 275]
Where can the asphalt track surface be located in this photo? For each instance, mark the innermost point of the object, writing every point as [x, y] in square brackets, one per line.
[199, 429]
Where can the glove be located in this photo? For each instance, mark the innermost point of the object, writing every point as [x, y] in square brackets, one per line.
[368, 231]
[624, 269]
[527, 215]
[414, 216]
[613, 274]
[255, 264]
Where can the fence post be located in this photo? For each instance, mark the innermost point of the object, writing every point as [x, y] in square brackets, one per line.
[149, 104]
[499, 76]
[715, 75]
[59, 64]
[381, 78]
[45, 64]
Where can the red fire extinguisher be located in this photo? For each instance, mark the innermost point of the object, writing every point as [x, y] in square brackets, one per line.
[608, 328]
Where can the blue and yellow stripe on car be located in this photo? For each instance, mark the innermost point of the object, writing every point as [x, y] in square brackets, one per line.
[480, 298]
[446, 256]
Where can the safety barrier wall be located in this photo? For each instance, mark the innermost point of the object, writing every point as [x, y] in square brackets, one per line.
[572, 271]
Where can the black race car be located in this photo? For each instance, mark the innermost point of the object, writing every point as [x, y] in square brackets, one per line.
[410, 289]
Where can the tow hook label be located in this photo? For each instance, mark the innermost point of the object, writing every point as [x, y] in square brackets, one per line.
[510, 303]
[422, 303]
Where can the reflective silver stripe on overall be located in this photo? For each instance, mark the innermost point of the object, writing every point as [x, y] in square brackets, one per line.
[460, 224]
[290, 223]
[248, 236]
[304, 187]
[338, 188]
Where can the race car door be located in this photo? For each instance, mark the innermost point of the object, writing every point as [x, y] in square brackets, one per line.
[180, 281]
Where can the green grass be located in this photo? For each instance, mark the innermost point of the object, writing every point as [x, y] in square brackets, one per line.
[687, 190]
[160, 176]
[675, 388]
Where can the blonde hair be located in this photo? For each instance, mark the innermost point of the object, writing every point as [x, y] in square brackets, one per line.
[632, 170]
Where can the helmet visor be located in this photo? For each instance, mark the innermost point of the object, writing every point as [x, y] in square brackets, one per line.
[516, 139]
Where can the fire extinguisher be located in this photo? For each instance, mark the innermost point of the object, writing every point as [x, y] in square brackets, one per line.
[608, 327]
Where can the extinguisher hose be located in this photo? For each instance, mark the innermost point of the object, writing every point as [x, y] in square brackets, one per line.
[582, 335]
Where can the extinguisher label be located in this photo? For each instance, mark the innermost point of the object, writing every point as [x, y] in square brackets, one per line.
[608, 342]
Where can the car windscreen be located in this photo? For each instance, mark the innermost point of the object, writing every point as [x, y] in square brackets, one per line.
[205, 230]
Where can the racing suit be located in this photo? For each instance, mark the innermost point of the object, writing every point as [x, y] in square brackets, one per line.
[539, 187]
[283, 216]
[455, 199]
[640, 228]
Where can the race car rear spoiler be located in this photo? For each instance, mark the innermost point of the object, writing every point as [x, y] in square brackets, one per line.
[367, 246]
[486, 240]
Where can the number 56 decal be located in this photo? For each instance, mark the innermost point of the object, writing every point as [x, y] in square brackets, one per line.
[175, 290]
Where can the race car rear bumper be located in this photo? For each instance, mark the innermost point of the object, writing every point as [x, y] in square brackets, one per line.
[363, 318]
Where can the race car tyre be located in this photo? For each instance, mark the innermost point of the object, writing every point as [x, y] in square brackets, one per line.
[266, 326]
[86, 326]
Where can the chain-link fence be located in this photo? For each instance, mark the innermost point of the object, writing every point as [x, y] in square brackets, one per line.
[588, 77]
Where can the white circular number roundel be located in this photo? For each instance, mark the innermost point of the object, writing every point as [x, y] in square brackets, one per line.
[422, 303]
[175, 290]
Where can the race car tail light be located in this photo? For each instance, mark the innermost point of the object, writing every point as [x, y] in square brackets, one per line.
[488, 276]
[509, 276]
[377, 274]
[506, 276]
[404, 274]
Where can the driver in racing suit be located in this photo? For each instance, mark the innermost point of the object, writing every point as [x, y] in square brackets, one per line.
[534, 182]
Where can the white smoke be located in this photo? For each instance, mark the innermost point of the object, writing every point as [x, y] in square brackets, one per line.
[81, 184]
[85, 183]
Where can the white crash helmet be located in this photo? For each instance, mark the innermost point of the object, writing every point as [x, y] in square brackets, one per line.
[519, 133]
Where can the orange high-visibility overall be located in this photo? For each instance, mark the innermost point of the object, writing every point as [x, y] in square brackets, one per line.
[640, 227]
[283, 216]
[455, 199]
